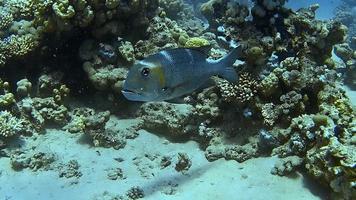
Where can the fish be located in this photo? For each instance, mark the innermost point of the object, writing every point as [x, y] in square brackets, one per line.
[172, 73]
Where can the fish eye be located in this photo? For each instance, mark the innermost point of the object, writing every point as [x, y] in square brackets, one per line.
[145, 71]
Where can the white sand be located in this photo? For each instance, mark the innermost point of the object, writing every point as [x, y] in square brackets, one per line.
[217, 180]
[351, 94]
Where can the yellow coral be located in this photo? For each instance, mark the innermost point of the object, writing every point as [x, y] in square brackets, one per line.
[76, 125]
[59, 94]
[343, 106]
[7, 99]
[196, 42]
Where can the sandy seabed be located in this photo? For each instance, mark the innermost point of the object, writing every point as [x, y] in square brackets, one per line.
[140, 163]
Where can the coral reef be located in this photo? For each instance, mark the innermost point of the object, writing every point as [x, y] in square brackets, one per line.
[217, 149]
[286, 165]
[334, 164]
[241, 92]
[27, 114]
[219, 12]
[288, 101]
[319, 43]
[135, 193]
[185, 16]
[94, 127]
[115, 174]
[34, 161]
[24, 24]
[70, 170]
[168, 118]
[100, 65]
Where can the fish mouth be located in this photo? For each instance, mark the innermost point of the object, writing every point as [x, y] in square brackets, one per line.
[126, 91]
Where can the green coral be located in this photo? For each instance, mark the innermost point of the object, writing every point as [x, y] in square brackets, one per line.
[255, 55]
[269, 85]
[63, 9]
[111, 4]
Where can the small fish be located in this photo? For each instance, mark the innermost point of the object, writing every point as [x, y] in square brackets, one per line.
[172, 73]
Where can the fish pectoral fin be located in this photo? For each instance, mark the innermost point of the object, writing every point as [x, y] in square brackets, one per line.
[180, 85]
[177, 100]
[173, 91]
[169, 90]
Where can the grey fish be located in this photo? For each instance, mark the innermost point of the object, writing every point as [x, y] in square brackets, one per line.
[172, 73]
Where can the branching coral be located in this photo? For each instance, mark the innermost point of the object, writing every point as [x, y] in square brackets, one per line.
[11, 125]
[243, 91]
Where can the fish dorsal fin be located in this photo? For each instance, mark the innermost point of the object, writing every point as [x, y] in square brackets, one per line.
[196, 54]
[197, 51]
[202, 49]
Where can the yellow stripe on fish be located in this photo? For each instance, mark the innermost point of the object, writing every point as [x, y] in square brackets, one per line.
[157, 70]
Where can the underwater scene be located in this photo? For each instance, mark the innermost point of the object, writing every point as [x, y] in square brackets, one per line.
[177, 99]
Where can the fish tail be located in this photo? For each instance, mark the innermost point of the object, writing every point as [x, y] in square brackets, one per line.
[225, 64]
